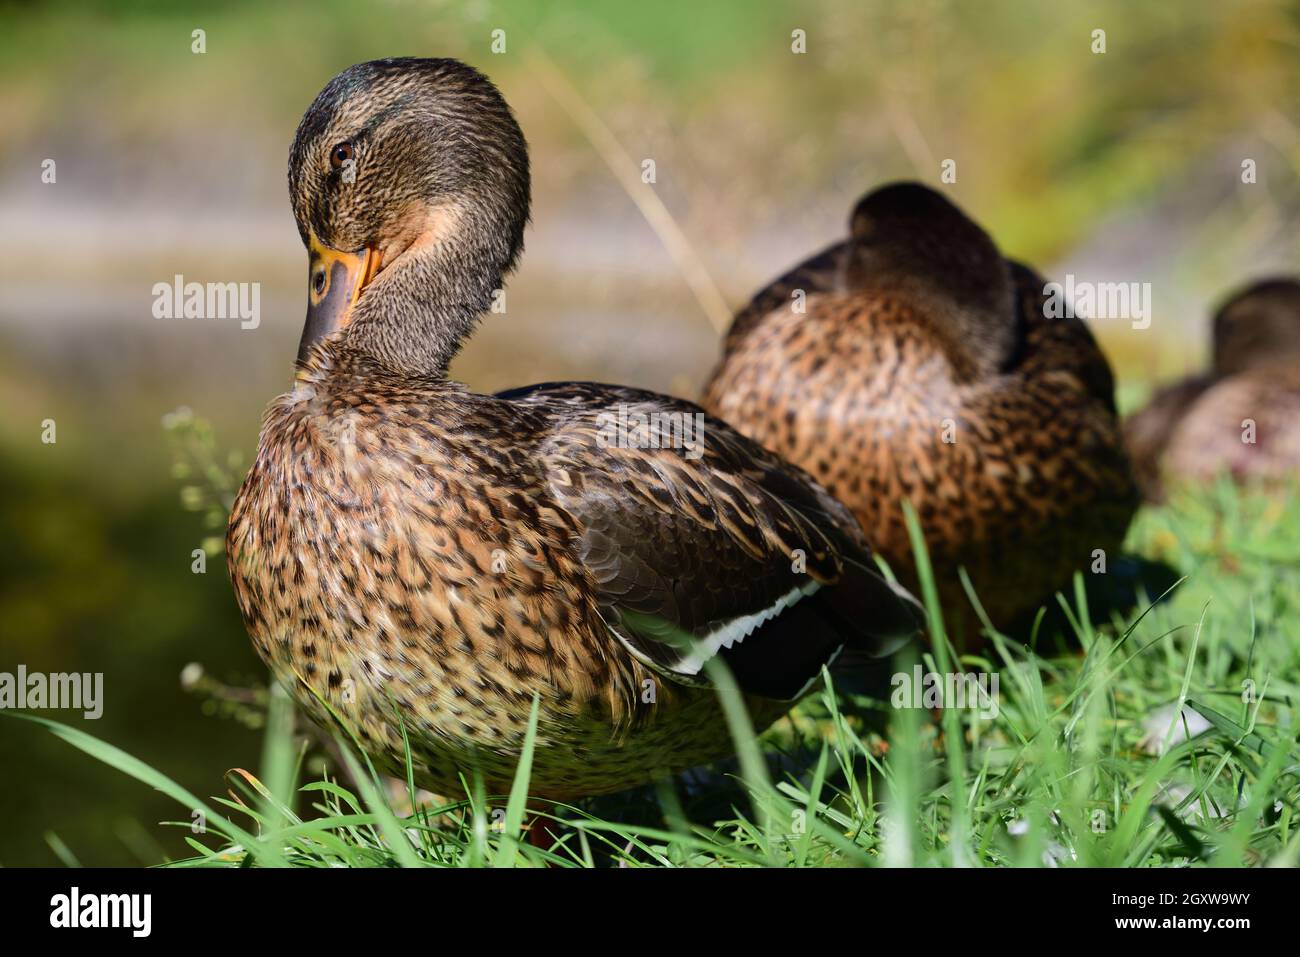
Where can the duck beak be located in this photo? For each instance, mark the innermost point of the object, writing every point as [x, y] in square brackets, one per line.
[334, 283]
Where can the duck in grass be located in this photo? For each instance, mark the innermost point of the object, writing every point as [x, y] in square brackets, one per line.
[912, 362]
[410, 555]
[1242, 417]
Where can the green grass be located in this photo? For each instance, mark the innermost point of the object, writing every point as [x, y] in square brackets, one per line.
[1060, 776]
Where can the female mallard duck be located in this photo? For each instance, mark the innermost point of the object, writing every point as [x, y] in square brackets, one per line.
[913, 362]
[1243, 416]
[403, 545]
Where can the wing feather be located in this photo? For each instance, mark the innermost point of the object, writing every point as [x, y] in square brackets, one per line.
[720, 549]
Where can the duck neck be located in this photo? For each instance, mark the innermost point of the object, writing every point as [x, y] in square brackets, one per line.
[413, 317]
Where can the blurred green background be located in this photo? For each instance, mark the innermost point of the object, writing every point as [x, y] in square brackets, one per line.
[1120, 166]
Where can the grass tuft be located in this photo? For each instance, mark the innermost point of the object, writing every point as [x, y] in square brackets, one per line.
[1094, 757]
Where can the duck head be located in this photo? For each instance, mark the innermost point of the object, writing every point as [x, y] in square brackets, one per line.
[911, 241]
[1258, 325]
[409, 182]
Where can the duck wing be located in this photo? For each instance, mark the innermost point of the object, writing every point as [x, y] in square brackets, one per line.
[702, 544]
[1057, 343]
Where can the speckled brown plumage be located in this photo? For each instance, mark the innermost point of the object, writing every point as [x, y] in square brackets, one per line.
[403, 545]
[1197, 428]
[915, 330]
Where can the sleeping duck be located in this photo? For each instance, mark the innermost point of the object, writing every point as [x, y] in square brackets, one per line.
[912, 362]
[1243, 416]
[421, 557]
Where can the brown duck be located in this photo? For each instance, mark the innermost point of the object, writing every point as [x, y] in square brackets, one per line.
[1242, 417]
[405, 546]
[912, 362]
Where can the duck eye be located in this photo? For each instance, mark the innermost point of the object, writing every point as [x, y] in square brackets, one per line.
[340, 155]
